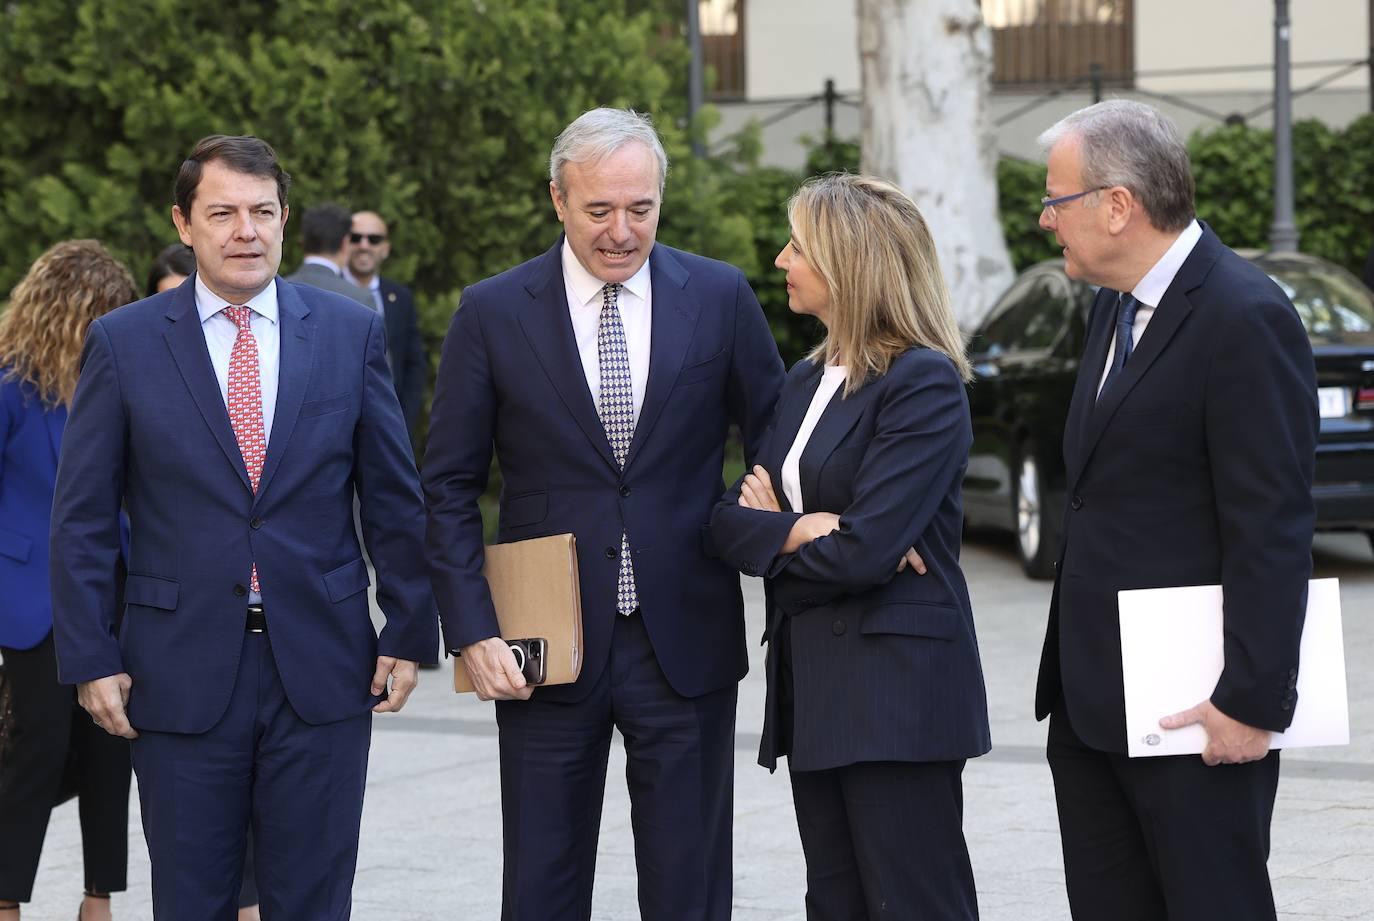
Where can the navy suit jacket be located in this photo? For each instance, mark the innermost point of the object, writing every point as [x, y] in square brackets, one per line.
[149, 429]
[510, 378]
[1193, 468]
[885, 664]
[406, 346]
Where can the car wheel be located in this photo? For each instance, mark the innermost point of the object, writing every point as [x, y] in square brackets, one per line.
[1035, 541]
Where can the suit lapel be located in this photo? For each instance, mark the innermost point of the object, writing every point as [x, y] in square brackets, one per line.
[548, 328]
[1101, 322]
[674, 320]
[836, 421]
[792, 406]
[295, 362]
[1168, 317]
[187, 343]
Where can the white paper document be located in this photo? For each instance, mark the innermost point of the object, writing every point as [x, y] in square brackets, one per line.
[1171, 658]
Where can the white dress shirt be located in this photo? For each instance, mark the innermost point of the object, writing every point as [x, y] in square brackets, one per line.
[832, 378]
[1150, 291]
[583, 290]
[220, 333]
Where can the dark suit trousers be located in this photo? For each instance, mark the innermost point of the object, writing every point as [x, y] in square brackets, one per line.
[300, 785]
[1149, 839]
[58, 750]
[680, 759]
[885, 840]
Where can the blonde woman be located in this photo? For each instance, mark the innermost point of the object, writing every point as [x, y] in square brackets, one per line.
[55, 749]
[853, 518]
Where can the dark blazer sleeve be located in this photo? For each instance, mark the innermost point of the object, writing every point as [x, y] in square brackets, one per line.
[1262, 422]
[392, 512]
[916, 456]
[85, 536]
[457, 462]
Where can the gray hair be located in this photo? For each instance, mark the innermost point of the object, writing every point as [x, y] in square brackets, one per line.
[597, 134]
[1130, 144]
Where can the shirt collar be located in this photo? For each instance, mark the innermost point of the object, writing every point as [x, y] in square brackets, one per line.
[588, 287]
[374, 285]
[1150, 290]
[329, 264]
[208, 303]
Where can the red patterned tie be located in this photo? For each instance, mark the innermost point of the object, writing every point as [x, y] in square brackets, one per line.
[245, 402]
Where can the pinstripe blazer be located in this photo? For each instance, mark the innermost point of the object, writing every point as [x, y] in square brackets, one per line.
[884, 664]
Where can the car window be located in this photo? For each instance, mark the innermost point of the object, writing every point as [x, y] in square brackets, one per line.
[1334, 306]
[1029, 317]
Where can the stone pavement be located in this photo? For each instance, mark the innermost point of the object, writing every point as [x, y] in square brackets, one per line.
[431, 830]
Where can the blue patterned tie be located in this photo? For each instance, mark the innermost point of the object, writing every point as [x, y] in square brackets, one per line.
[1126, 306]
[616, 408]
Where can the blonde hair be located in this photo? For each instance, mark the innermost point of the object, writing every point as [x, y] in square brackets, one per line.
[869, 243]
[44, 325]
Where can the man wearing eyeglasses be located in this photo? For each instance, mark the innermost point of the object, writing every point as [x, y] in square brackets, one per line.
[369, 246]
[1189, 448]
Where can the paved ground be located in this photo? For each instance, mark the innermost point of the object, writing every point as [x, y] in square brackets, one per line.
[430, 846]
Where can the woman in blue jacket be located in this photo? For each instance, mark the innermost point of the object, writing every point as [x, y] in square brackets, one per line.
[53, 748]
[853, 517]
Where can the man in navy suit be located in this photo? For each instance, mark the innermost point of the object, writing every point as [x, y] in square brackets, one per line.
[606, 374]
[369, 247]
[235, 417]
[1189, 446]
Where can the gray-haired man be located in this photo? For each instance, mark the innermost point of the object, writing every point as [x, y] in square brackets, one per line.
[606, 373]
[1172, 482]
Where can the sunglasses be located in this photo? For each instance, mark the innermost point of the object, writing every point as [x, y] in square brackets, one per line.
[376, 239]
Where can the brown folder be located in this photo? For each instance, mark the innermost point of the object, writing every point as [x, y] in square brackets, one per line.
[535, 591]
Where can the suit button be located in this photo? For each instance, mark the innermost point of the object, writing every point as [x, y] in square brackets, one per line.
[240, 591]
[1292, 683]
[1293, 673]
[610, 553]
[749, 569]
[1286, 705]
[1077, 503]
[837, 627]
[624, 490]
[255, 523]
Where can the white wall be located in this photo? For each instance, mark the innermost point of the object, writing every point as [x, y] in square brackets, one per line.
[792, 46]
[1171, 34]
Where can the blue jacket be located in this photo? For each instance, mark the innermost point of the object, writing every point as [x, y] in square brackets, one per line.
[30, 440]
[149, 428]
[885, 664]
[510, 378]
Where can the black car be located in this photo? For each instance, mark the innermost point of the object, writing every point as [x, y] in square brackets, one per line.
[1025, 358]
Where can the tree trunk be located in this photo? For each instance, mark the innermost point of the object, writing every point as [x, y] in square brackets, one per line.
[927, 74]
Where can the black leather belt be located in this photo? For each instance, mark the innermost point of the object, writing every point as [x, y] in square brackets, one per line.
[257, 621]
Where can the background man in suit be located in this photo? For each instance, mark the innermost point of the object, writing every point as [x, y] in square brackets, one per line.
[368, 247]
[324, 237]
[1190, 446]
[606, 372]
[230, 417]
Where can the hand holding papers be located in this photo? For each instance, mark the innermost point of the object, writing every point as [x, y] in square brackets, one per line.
[1172, 656]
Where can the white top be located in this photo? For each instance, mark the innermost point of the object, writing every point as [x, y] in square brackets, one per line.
[1150, 291]
[584, 295]
[220, 333]
[832, 378]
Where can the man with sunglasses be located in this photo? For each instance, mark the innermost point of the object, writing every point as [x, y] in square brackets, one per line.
[1189, 449]
[369, 245]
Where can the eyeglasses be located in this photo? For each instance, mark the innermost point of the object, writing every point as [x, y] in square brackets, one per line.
[1049, 204]
[376, 239]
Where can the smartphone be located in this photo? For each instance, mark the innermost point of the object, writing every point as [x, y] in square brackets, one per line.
[530, 656]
